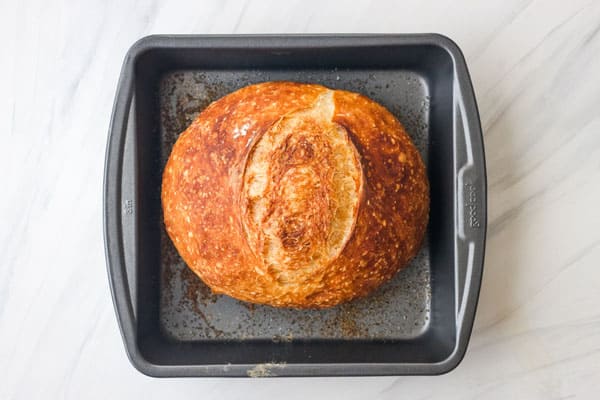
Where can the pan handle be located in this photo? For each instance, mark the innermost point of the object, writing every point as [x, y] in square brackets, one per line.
[116, 209]
[470, 201]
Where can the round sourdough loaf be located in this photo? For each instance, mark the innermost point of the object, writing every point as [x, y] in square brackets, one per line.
[295, 195]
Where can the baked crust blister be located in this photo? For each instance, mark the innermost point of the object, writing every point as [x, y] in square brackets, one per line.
[295, 195]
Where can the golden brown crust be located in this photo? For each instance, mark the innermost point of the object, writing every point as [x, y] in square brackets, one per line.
[295, 195]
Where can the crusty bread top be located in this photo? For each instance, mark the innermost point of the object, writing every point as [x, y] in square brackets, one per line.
[295, 195]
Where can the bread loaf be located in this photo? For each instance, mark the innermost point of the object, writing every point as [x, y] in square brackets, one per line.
[295, 195]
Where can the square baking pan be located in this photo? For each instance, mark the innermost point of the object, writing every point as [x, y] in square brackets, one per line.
[172, 325]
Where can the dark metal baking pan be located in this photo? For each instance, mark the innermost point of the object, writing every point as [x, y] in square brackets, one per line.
[172, 325]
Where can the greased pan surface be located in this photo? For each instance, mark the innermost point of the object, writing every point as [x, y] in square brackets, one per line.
[417, 324]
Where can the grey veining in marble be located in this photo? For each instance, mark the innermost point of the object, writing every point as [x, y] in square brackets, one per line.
[534, 65]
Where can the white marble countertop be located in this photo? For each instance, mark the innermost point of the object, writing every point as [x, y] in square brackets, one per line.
[535, 66]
